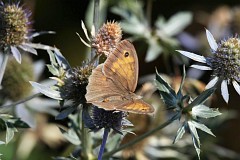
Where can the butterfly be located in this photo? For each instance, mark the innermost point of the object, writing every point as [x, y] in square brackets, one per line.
[112, 84]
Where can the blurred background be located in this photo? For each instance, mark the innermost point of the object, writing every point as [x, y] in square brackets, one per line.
[157, 29]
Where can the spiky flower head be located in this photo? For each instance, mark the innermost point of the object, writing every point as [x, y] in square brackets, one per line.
[14, 25]
[75, 83]
[106, 39]
[112, 119]
[15, 81]
[15, 35]
[224, 61]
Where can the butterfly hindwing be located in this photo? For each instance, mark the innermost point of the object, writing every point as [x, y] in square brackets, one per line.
[136, 106]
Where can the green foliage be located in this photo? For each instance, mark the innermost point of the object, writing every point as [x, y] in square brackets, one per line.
[10, 124]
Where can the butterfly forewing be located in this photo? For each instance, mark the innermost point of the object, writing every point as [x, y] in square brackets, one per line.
[122, 66]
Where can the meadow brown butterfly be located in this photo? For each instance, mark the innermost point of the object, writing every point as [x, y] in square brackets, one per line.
[112, 84]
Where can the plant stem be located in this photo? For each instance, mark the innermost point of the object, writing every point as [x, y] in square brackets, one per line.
[22, 101]
[3, 66]
[95, 23]
[86, 140]
[104, 140]
[140, 138]
[149, 11]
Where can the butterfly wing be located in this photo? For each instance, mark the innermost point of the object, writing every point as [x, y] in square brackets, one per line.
[112, 83]
[135, 106]
[122, 66]
[101, 91]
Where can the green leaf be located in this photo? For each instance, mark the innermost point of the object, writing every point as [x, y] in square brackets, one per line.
[202, 127]
[201, 98]
[168, 94]
[71, 136]
[53, 70]
[205, 112]
[10, 132]
[46, 91]
[180, 133]
[52, 58]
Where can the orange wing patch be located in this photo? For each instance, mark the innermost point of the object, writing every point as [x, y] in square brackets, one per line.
[138, 106]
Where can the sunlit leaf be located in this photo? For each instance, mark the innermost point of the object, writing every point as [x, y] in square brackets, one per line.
[10, 132]
[46, 91]
[193, 56]
[53, 70]
[212, 42]
[224, 90]
[202, 127]
[212, 83]
[205, 112]
[195, 137]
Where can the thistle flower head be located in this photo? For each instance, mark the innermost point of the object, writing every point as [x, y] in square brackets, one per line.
[108, 119]
[14, 31]
[224, 61]
[75, 83]
[106, 39]
[14, 25]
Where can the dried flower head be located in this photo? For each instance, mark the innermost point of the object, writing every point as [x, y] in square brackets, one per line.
[15, 82]
[106, 39]
[14, 31]
[224, 61]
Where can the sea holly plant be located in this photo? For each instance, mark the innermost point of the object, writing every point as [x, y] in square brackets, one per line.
[187, 110]
[224, 61]
[70, 83]
[16, 35]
